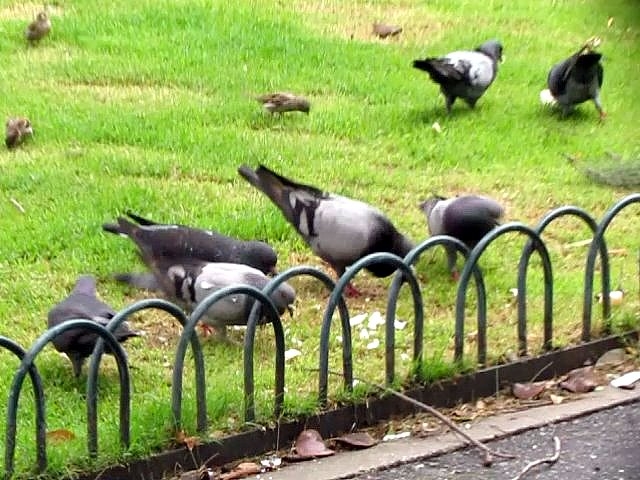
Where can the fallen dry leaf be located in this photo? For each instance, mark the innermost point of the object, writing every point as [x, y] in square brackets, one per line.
[580, 380]
[189, 442]
[60, 435]
[357, 440]
[527, 391]
[242, 470]
[609, 22]
[309, 444]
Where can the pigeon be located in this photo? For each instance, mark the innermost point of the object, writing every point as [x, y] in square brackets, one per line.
[383, 30]
[339, 230]
[577, 79]
[82, 303]
[284, 102]
[191, 281]
[465, 74]
[467, 218]
[180, 241]
[38, 29]
[17, 129]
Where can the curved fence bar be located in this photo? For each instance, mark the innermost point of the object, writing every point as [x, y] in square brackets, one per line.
[249, 338]
[94, 364]
[38, 395]
[598, 237]
[528, 249]
[471, 264]
[27, 363]
[418, 340]
[336, 297]
[189, 331]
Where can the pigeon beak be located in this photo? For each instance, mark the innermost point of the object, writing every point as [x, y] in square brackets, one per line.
[273, 272]
[503, 58]
[291, 310]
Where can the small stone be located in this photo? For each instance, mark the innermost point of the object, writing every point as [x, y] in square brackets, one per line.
[612, 357]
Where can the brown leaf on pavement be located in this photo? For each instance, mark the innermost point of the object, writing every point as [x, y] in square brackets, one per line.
[242, 470]
[527, 391]
[309, 444]
[580, 380]
[357, 440]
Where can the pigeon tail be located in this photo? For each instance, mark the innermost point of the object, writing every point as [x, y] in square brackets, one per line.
[145, 281]
[124, 227]
[274, 186]
[439, 70]
[140, 220]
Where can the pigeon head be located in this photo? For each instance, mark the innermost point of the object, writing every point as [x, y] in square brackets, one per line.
[261, 255]
[42, 17]
[492, 48]
[283, 298]
[85, 285]
[429, 204]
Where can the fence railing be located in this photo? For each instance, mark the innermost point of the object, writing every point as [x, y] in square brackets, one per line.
[264, 306]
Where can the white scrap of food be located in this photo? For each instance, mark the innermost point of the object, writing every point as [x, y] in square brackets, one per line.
[546, 98]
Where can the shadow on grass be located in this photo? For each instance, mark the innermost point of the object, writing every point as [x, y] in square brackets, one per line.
[438, 113]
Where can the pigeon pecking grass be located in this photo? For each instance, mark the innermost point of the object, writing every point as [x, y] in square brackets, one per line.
[83, 303]
[467, 218]
[338, 229]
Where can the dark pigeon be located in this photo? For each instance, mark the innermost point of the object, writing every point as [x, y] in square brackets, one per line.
[82, 303]
[464, 74]
[183, 242]
[467, 218]
[576, 80]
[338, 229]
[189, 282]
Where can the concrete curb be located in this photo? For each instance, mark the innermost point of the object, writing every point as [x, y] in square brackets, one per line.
[388, 454]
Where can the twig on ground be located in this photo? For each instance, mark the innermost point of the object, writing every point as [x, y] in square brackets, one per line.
[489, 454]
[17, 205]
[550, 460]
[540, 371]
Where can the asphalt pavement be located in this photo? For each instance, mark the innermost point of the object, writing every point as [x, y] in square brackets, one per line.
[599, 433]
[603, 445]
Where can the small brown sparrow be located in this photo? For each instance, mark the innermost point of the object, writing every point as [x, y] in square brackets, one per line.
[284, 102]
[16, 131]
[38, 29]
[383, 31]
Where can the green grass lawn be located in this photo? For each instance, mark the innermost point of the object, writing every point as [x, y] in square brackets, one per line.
[148, 106]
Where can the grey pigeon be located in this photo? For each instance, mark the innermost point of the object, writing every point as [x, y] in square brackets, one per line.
[464, 74]
[282, 102]
[183, 242]
[16, 130]
[82, 303]
[577, 79]
[338, 229]
[189, 282]
[467, 218]
[38, 29]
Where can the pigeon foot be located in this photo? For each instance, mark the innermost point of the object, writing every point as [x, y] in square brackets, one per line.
[352, 291]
